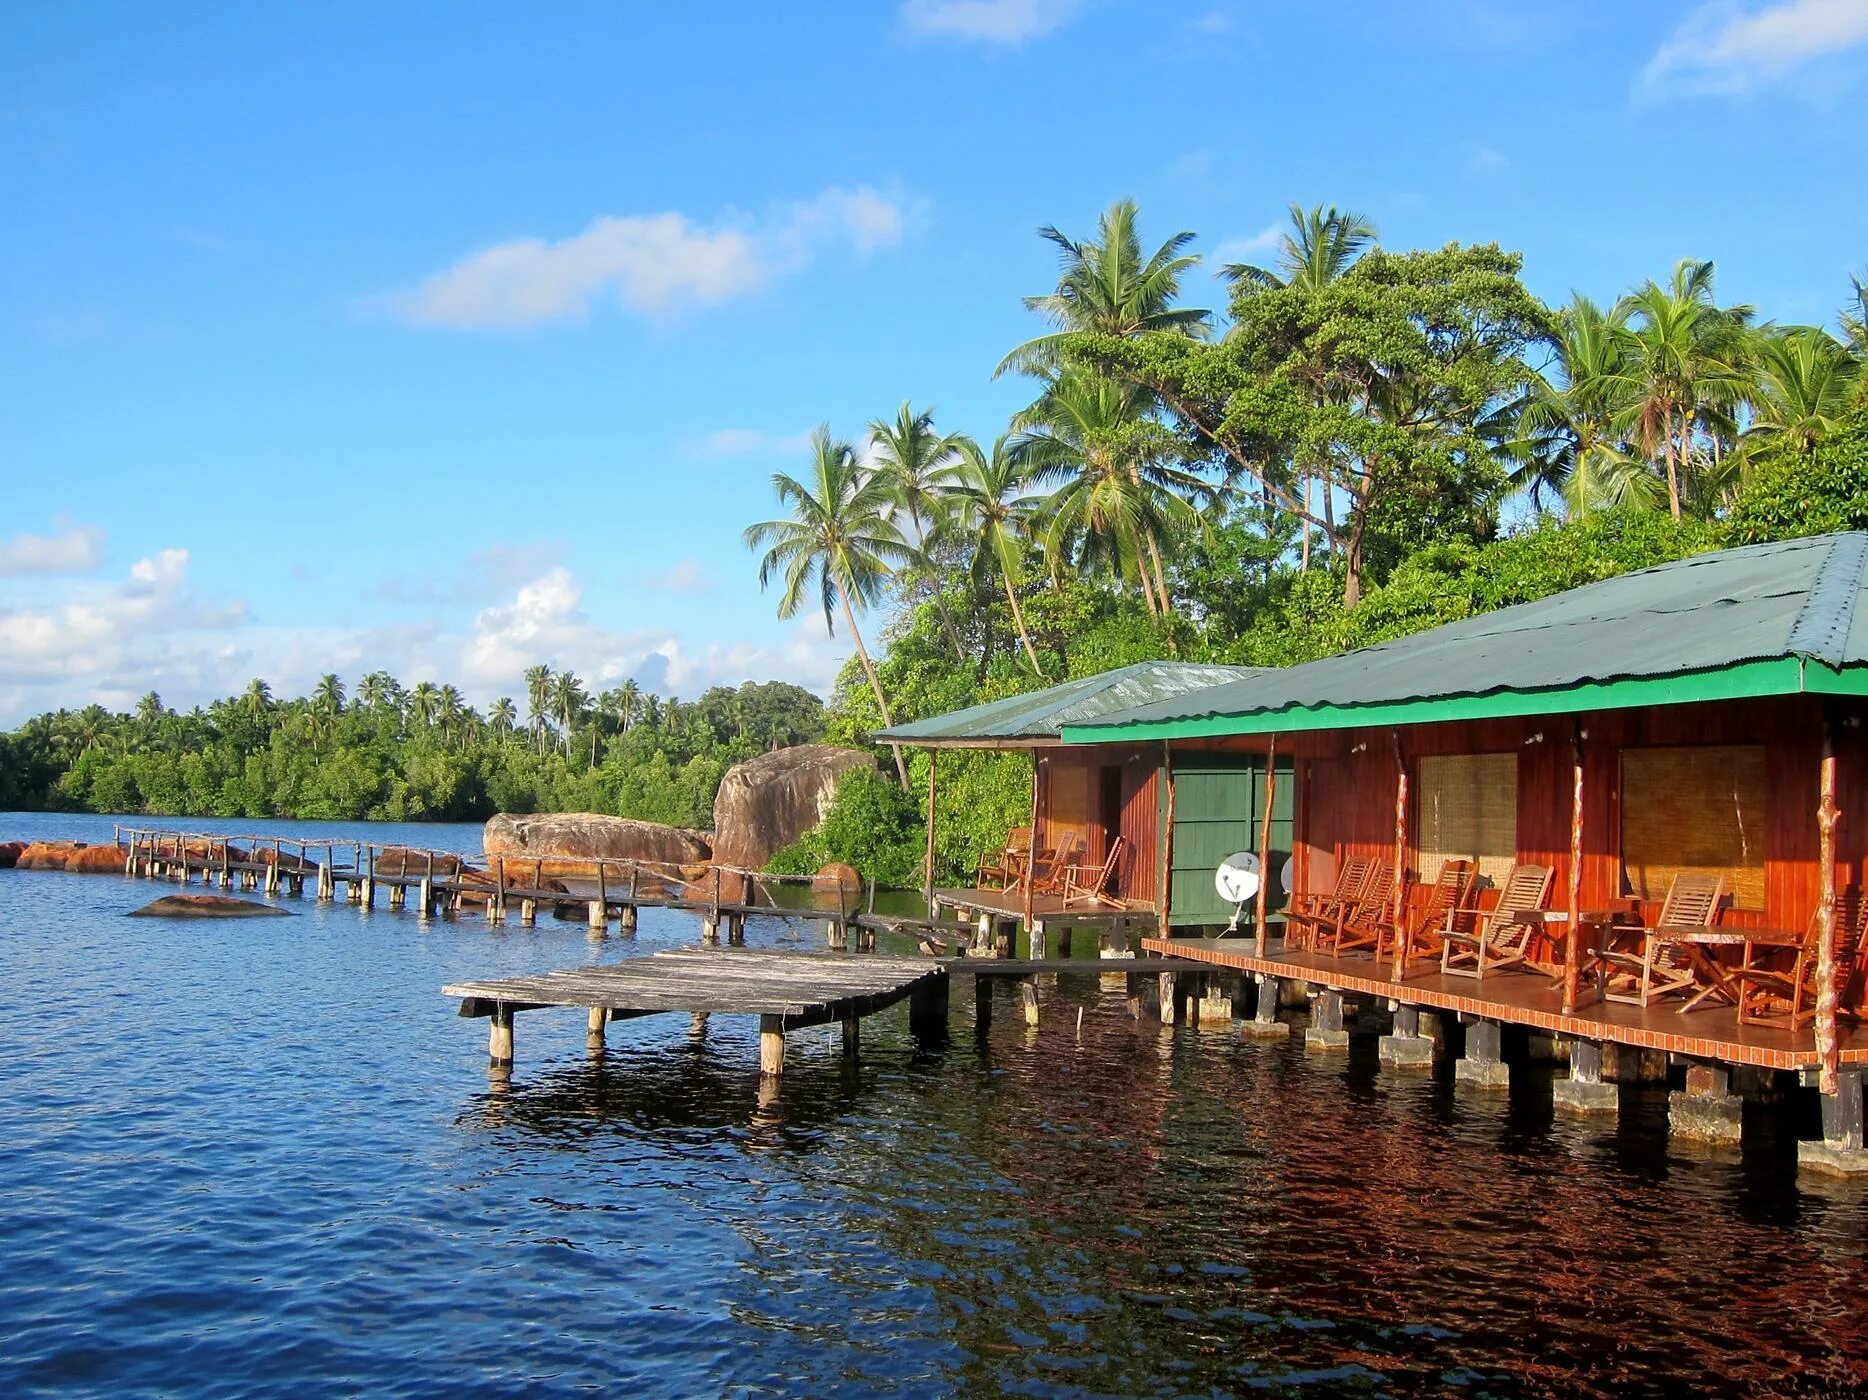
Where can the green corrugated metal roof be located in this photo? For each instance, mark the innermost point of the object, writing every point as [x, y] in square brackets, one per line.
[1761, 620]
[1037, 717]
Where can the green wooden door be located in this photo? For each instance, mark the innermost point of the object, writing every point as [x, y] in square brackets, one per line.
[1219, 800]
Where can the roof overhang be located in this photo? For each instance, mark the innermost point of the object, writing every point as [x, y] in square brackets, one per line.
[1049, 741]
[1787, 675]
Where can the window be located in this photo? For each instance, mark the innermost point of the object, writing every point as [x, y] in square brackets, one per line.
[1468, 809]
[1694, 809]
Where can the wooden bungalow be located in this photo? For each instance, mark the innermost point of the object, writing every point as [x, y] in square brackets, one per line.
[1700, 722]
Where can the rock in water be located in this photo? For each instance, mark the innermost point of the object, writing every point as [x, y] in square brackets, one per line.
[10, 853]
[770, 801]
[207, 906]
[590, 835]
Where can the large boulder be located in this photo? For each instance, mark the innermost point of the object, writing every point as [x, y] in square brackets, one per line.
[561, 839]
[96, 860]
[206, 906]
[47, 855]
[770, 801]
[10, 853]
[400, 860]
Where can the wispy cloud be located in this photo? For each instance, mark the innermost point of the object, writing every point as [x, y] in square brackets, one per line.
[1724, 47]
[1004, 22]
[685, 577]
[1233, 250]
[651, 265]
[72, 551]
[724, 444]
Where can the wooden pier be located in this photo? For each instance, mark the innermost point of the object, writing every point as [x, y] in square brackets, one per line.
[600, 890]
[786, 991]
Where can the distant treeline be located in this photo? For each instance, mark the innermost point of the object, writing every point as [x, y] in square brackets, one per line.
[389, 752]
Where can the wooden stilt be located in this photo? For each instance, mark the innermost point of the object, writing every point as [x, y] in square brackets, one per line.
[1572, 933]
[1031, 856]
[927, 860]
[1828, 994]
[598, 1019]
[1398, 914]
[499, 1037]
[1166, 881]
[771, 1046]
[852, 1036]
[1259, 935]
[1028, 991]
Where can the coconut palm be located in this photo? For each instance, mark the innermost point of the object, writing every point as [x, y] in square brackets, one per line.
[1807, 380]
[917, 464]
[1116, 499]
[568, 704]
[1320, 246]
[1104, 285]
[149, 708]
[503, 715]
[328, 694]
[257, 697]
[538, 700]
[1563, 438]
[423, 702]
[992, 508]
[628, 703]
[839, 543]
[378, 690]
[1854, 318]
[450, 708]
[1685, 374]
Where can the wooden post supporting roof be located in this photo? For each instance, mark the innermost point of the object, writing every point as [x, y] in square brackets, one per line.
[1399, 911]
[1264, 846]
[927, 861]
[1572, 933]
[1031, 855]
[1166, 881]
[1827, 993]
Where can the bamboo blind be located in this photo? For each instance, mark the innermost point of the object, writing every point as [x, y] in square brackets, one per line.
[1067, 803]
[1468, 810]
[1697, 810]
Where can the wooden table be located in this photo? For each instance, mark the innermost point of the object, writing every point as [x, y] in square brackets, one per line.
[1698, 942]
[1588, 920]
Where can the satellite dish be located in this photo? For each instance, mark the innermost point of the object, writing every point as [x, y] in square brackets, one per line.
[1287, 876]
[1237, 878]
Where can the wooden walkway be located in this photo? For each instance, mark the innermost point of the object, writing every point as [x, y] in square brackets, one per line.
[784, 990]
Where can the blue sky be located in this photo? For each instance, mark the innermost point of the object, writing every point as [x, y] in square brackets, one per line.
[450, 338]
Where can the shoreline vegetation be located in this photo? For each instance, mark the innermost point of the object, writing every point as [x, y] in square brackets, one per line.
[1361, 444]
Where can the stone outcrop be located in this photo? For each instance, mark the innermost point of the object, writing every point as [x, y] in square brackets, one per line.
[400, 860]
[588, 835]
[96, 860]
[206, 906]
[770, 801]
[49, 855]
[9, 853]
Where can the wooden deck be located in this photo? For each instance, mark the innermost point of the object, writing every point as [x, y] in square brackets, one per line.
[1010, 904]
[784, 990]
[1526, 999]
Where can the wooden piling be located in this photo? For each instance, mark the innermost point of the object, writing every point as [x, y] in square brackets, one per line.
[771, 1046]
[499, 1037]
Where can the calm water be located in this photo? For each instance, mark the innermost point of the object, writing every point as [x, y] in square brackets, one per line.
[264, 1157]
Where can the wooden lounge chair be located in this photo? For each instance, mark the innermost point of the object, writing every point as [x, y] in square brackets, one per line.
[1006, 866]
[1309, 914]
[1049, 867]
[1665, 964]
[1496, 938]
[1085, 883]
[1422, 935]
[1359, 924]
[1777, 984]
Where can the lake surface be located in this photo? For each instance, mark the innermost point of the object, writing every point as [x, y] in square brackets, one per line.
[264, 1157]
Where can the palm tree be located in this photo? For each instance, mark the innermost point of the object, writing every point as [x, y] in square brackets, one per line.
[502, 716]
[149, 708]
[423, 702]
[1105, 286]
[328, 694]
[1685, 373]
[652, 710]
[1807, 380]
[991, 505]
[1854, 319]
[1320, 246]
[917, 463]
[1118, 500]
[628, 703]
[538, 700]
[257, 698]
[378, 689]
[1565, 442]
[838, 543]
[568, 703]
[450, 705]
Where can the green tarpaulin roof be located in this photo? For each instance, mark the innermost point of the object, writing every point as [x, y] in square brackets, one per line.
[1768, 619]
[1036, 718]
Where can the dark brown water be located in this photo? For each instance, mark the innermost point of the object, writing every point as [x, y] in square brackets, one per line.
[266, 1158]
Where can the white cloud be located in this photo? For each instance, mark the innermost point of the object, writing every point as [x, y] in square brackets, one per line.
[653, 265]
[726, 443]
[1234, 250]
[685, 577]
[1727, 48]
[1009, 22]
[72, 551]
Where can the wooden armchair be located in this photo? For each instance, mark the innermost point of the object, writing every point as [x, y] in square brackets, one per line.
[1048, 868]
[1007, 865]
[1773, 981]
[1086, 883]
[1664, 964]
[1423, 935]
[1497, 939]
[1309, 914]
[1359, 925]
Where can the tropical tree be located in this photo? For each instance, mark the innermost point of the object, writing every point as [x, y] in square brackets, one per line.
[328, 695]
[1685, 375]
[838, 544]
[628, 703]
[424, 701]
[503, 715]
[1854, 318]
[538, 701]
[1320, 246]
[149, 708]
[379, 690]
[992, 508]
[917, 464]
[1106, 287]
[257, 697]
[450, 710]
[568, 704]
[1806, 385]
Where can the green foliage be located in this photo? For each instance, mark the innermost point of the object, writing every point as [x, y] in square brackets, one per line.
[1793, 493]
[872, 825]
